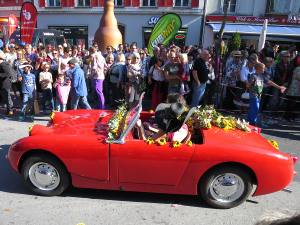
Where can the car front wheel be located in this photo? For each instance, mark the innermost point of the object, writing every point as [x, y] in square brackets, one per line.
[225, 187]
[45, 175]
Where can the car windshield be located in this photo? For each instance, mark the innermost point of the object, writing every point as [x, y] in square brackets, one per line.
[131, 118]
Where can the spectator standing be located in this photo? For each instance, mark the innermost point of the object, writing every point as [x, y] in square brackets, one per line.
[78, 86]
[98, 73]
[293, 92]
[28, 88]
[116, 75]
[156, 78]
[200, 76]
[255, 84]
[45, 80]
[134, 79]
[6, 76]
[62, 86]
[233, 71]
[173, 73]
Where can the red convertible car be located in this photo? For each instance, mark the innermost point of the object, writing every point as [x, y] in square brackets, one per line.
[222, 167]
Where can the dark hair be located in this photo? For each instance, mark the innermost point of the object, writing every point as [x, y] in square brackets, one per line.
[175, 98]
[66, 49]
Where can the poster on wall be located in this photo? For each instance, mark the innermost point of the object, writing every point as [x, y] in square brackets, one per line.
[164, 31]
[28, 18]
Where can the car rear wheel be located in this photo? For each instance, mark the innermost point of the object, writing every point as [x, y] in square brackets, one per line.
[225, 187]
[45, 175]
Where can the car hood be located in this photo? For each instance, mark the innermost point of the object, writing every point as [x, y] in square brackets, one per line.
[75, 122]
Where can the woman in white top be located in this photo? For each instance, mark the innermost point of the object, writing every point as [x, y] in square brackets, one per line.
[99, 67]
[63, 61]
[134, 75]
[157, 78]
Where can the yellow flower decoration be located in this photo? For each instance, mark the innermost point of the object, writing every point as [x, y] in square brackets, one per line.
[52, 115]
[30, 128]
[162, 141]
[149, 141]
[274, 143]
[176, 144]
[190, 143]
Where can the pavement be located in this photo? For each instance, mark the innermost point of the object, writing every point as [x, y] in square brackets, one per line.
[19, 206]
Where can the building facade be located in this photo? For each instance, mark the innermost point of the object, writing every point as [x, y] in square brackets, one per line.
[247, 16]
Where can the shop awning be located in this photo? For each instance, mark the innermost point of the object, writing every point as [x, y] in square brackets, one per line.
[256, 29]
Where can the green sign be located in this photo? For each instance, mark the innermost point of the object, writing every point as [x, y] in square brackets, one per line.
[164, 31]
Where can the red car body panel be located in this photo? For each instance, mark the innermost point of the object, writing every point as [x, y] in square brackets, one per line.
[77, 138]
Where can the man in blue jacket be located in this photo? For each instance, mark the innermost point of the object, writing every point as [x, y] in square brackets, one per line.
[78, 86]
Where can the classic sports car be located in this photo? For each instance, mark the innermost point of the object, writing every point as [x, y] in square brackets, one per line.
[221, 166]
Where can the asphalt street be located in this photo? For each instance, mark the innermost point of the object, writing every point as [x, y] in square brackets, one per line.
[92, 207]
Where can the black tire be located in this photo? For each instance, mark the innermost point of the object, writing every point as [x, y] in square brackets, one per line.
[64, 182]
[206, 181]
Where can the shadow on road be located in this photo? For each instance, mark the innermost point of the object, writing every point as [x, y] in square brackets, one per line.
[193, 201]
[10, 181]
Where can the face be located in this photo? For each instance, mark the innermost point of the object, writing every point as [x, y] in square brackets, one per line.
[55, 53]
[71, 65]
[46, 68]
[26, 69]
[133, 48]
[109, 50]
[173, 57]
[110, 60]
[128, 60]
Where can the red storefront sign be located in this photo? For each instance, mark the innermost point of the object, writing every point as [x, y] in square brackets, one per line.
[28, 18]
[254, 19]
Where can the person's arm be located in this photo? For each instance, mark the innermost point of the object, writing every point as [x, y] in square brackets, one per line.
[281, 88]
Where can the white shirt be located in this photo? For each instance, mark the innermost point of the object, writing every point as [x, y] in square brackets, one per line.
[245, 72]
[46, 76]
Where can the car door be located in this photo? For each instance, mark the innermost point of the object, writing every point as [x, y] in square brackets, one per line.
[139, 162]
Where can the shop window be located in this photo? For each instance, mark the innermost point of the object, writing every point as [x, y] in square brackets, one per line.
[83, 3]
[278, 6]
[119, 3]
[53, 3]
[182, 3]
[232, 5]
[149, 3]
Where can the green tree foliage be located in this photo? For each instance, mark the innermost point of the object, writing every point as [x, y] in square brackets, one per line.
[235, 42]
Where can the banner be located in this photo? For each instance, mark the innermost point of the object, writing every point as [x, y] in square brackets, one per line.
[12, 24]
[28, 18]
[164, 30]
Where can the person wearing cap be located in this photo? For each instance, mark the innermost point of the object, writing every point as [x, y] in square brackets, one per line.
[11, 55]
[46, 80]
[232, 75]
[28, 88]
[78, 86]
[6, 76]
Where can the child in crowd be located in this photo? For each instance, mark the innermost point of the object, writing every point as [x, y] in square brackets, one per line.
[62, 86]
[256, 83]
[184, 87]
[45, 80]
[28, 88]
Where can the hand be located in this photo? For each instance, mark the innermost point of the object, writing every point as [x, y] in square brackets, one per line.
[19, 78]
[198, 84]
[282, 89]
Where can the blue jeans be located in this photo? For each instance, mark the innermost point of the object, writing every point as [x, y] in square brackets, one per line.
[253, 109]
[198, 93]
[47, 96]
[28, 98]
[75, 100]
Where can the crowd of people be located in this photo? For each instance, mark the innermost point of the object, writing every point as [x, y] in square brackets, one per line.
[67, 77]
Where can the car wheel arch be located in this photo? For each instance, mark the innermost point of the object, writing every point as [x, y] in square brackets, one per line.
[231, 164]
[35, 152]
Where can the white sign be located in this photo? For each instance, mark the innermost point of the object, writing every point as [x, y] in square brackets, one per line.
[153, 20]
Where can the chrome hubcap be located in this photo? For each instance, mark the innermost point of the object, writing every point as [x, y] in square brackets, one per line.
[44, 176]
[227, 187]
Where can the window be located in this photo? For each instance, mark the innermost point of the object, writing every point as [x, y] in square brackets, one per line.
[278, 6]
[83, 3]
[232, 5]
[182, 3]
[118, 3]
[53, 3]
[149, 2]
